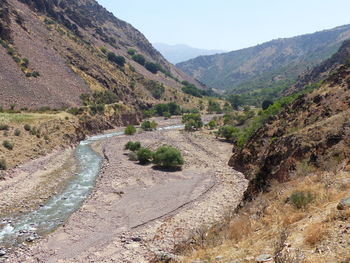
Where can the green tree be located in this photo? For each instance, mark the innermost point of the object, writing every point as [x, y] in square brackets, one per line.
[149, 125]
[228, 132]
[266, 104]
[192, 121]
[139, 59]
[168, 157]
[235, 101]
[212, 124]
[119, 60]
[214, 106]
[132, 146]
[152, 67]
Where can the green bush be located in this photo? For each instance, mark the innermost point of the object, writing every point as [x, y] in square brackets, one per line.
[139, 59]
[149, 125]
[104, 50]
[300, 199]
[152, 67]
[8, 145]
[228, 132]
[4, 127]
[130, 130]
[212, 124]
[266, 104]
[25, 62]
[3, 165]
[131, 52]
[192, 121]
[144, 155]
[214, 107]
[157, 89]
[168, 157]
[27, 127]
[119, 60]
[132, 146]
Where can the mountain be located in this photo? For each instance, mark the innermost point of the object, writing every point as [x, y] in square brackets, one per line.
[52, 51]
[267, 65]
[313, 131]
[179, 53]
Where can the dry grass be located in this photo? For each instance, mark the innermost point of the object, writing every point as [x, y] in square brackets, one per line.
[239, 228]
[315, 233]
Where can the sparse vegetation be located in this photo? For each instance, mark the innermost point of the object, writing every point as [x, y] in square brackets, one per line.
[130, 130]
[27, 127]
[17, 132]
[149, 125]
[8, 145]
[4, 127]
[300, 199]
[228, 132]
[157, 89]
[214, 107]
[3, 165]
[168, 157]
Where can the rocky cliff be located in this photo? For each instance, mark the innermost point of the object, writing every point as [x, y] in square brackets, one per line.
[52, 51]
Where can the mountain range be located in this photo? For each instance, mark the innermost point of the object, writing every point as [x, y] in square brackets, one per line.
[270, 64]
[180, 52]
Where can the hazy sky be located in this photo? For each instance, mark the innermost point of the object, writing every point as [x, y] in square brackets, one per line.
[228, 24]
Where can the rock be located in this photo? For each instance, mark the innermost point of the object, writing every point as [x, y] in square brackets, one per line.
[165, 256]
[264, 258]
[136, 239]
[218, 258]
[344, 204]
[2, 253]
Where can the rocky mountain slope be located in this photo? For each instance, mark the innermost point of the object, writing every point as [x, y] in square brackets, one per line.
[52, 51]
[180, 53]
[312, 132]
[268, 64]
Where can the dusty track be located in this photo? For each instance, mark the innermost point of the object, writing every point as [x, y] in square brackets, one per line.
[129, 200]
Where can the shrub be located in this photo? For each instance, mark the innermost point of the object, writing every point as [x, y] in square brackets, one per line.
[35, 74]
[4, 127]
[131, 52]
[300, 199]
[168, 157]
[152, 67]
[25, 62]
[149, 125]
[214, 107]
[27, 127]
[104, 50]
[17, 132]
[3, 165]
[144, 155]
[192, 121]
[8, 145]
[157, 89]
[212, 124]
[119, 60]
[132, 156]
[132, 146]
[228, 132]
[130, 130]
[139, 59]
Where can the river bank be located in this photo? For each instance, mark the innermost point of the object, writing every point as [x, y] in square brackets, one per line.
[136, 212]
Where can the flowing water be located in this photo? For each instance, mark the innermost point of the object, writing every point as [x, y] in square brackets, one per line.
[58, 209]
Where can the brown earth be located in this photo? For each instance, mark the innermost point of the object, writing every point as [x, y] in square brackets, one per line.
[130, 200]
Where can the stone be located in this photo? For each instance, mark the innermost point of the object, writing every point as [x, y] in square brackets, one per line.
[344, 204]
[264, 258]
[136, 239]
[2, 253]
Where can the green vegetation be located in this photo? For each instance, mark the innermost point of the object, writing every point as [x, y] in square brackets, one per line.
[130, 130]
[27, 127]
[104, 50]
[266, 104]
[167, 109]
[4, 127]
[17, 132]
[168, 157]
[8, 145]
[149, 125]
[152, 67]
[228, 132]
[131, 52]
[3, 165]
[212, 124]
[132, 146]
[119, 60]
[144, 155]
[139, 59]
[300, 199]
[214, 106]
[192, 121]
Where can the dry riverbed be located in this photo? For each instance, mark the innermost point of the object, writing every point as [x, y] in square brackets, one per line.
[136, 212]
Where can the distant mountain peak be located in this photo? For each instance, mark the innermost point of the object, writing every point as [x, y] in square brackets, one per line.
[181, 52]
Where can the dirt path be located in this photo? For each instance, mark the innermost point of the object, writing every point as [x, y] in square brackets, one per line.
[136, 212]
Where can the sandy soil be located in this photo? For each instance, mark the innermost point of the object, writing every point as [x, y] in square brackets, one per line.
[137, 212]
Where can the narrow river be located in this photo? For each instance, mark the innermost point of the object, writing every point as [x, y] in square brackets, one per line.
[58, 209]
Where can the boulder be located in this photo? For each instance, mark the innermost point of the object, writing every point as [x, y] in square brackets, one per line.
[264, 258]
[344, 204]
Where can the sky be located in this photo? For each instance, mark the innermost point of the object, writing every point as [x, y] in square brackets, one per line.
[228, 24]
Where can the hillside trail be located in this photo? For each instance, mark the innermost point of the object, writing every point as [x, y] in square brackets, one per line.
[136, 212]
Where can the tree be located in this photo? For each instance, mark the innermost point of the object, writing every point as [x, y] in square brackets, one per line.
[131, 52]
[168, 157]
[228, 132]
[266, 104]
[235, 101]
[130, 130]
[212, 124]
[192, 121]
[144, 155]
[152, 67]
[214, 106]
[139, 59]
[119, 60]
